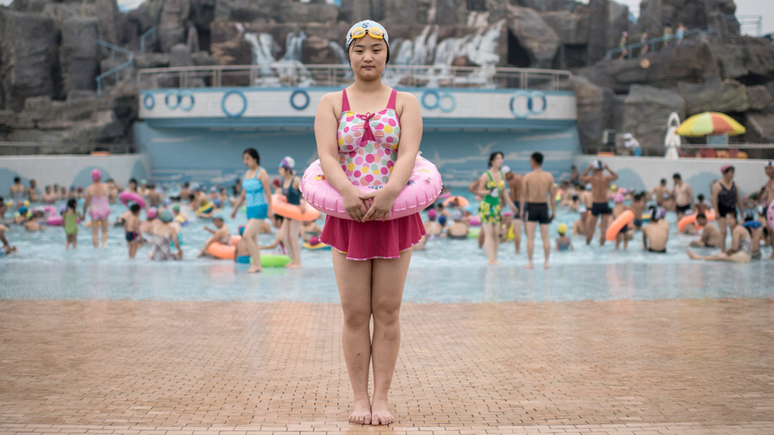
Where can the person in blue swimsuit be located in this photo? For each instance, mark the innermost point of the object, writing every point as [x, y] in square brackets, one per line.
[257, 199]
[291, 227]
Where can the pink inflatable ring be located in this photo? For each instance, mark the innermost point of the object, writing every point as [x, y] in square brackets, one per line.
[126, 197]
[422, 189]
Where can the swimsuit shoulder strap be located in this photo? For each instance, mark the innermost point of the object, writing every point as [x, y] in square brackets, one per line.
[490, 175]
[344, 101]
[393, 97]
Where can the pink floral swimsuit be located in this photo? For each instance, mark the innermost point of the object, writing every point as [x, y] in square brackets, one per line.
[368, 144]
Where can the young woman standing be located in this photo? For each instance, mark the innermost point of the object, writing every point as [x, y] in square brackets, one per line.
[257, 198]
[358, 132]
[291, 227]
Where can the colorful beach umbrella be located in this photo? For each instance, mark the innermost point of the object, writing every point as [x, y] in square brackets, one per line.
[707, 123]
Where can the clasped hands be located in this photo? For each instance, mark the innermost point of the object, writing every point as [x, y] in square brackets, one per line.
[372, 206]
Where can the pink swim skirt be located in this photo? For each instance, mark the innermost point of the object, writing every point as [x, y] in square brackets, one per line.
[372, 239]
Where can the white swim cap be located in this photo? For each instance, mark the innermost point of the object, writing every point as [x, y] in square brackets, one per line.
[506, 169]
[598, 165]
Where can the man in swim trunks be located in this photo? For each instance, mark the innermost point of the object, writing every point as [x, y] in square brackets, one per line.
[767, 197]
[655, 235]
[515, 183]
[710, 236]
[185, 191]
[600, 185]
[683, 195]
[17, 193]
[539, 193]
[661, 193]
[32, 192]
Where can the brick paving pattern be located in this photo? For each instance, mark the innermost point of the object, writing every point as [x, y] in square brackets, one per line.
[203, 368]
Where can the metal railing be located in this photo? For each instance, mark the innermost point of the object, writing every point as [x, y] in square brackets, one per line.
[113, 48]
[296, 75]
[747, 21]
[653, 43]
[37, 148]
[150, 32]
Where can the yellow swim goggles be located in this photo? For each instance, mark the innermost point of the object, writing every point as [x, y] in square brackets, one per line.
[359, 32]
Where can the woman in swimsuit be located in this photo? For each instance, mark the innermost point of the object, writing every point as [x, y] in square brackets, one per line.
[164, 236]
[99, 207]
[292, 228]
[491, 187]
[257, 197]
[725, 199]
[357, 132]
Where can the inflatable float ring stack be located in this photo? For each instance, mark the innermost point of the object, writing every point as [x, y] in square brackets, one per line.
[126, 197]
[421, 191]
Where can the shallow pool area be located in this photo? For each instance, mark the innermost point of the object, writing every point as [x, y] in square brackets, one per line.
[447, 271]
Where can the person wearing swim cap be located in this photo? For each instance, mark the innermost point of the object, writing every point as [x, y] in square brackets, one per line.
[618, 210]
[164, 236]
[221, 234]
[579, 227]
[256, 195]
[371, 254]
[725, 200]
[600, 184]
[656, 234]
[292, 193]
[767, 200]
[638, 208]
[17, 193]
[98, 204]
[563, 243]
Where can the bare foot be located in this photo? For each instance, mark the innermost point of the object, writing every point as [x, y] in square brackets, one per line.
[692, 254]
[494, 263]
[254, 269]
[529, 266]
[362, 413]
[293, 266]
[379, 413]
[547, 266]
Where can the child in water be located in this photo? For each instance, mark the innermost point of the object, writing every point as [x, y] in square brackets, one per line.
[70, 223]
[310, 229]
[33, 222]
[279, 241]
[220, 235]
[618, 210]
[241, 254]
[132, 229]
[638, 208]
[563, 243]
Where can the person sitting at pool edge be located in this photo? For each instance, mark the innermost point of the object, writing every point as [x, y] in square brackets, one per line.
[563, 243]
[220, 235]
[741, 244]
[132, 229]
[710, 236]
[655, 235]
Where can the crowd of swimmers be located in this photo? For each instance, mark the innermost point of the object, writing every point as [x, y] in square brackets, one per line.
[508, 200]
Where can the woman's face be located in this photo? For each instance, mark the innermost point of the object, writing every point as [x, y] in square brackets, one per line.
[249, 160]
[283, 172]
[729, 175]
[497, 162]
[730, 220]
[368, 57]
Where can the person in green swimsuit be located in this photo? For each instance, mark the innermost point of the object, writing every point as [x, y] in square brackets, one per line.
[70, 223]
[491, 187]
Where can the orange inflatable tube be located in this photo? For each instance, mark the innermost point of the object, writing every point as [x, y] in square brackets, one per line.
[626, 218]
[691, 219]
[280, 206]
[463, 202]
[222, 251]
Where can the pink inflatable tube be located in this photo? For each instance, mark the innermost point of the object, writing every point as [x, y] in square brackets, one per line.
[127, 197]
[423, 188]
[56, 221]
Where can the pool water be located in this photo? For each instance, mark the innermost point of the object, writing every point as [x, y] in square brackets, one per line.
[447, 271]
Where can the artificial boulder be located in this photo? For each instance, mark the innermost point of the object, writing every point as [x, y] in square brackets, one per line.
[760, 127]
[79, 54]
[759, 98]
[590, 101]
[172, 23]
[29, 62]
[571, 27]
[538, 39]
[714, 96]
[598, 36]
[645, 113]
[180, 56]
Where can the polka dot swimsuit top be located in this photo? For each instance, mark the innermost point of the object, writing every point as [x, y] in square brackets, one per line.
[368, 144]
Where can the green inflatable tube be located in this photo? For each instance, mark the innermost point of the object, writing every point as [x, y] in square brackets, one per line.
[473, 233]
[271, 260]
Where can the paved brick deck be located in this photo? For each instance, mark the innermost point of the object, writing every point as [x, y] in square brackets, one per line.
[199, 368]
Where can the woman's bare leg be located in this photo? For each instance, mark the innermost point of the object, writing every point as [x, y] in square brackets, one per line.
[251, 240]
[95, 232]
[354, 282]
[717, 257]
[294, 246]
[389, 276]
[721, 221]
[491, 242]
[105, 223]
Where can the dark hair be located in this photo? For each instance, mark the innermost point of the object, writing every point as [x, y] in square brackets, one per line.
[677, 175]
[186, 184]
[72, 203]
[132, 180]
[279, 218]
[573, 167]
[493, 156]
[135, 208]
[663, 180]
[538, 158]
[2, 201]
[254, 154]
[701, 216]
[638, 196]
[700, 197]
[729, 168]
[16, 179]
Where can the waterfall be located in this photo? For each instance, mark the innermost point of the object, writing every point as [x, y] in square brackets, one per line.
[404, 52]
[262, 45]
[342, 56]
[293, 44]
[290, 66]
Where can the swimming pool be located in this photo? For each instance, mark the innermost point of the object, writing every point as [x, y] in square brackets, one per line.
[447, 271]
